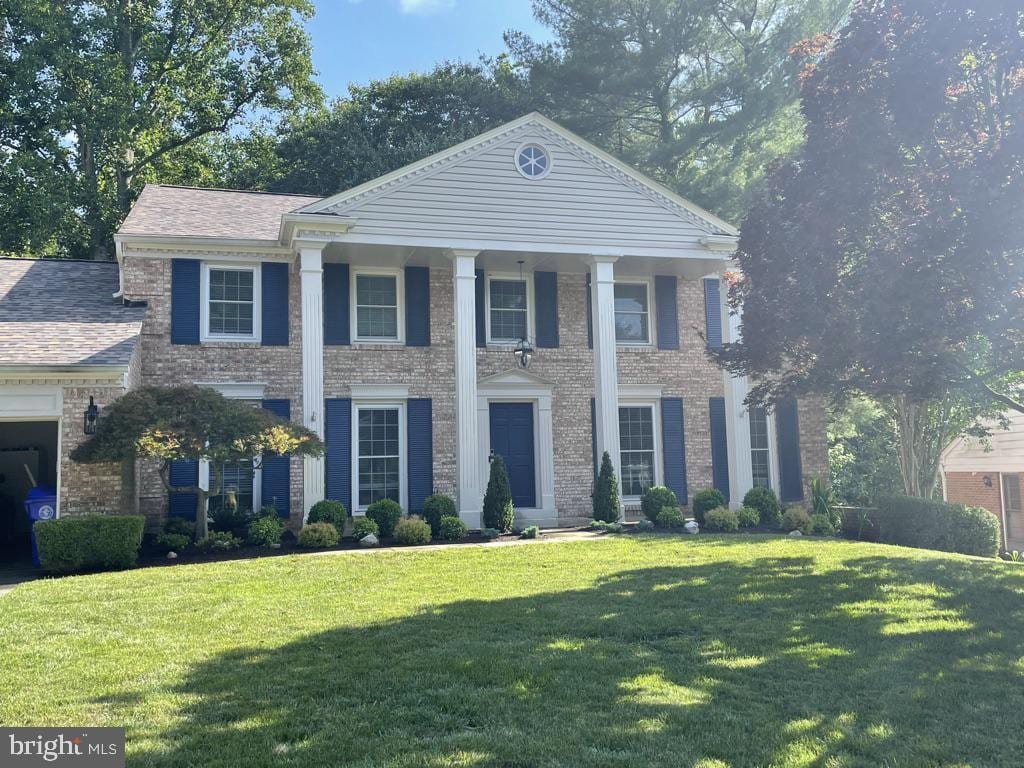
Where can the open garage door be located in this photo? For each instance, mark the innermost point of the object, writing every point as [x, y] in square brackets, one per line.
[28, 456]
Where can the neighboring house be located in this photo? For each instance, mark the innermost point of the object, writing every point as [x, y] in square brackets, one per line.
[385, 318]
[990, 474]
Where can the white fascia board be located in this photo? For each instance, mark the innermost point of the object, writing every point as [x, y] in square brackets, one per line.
[160, 246]
[293, 225]
[574, 249]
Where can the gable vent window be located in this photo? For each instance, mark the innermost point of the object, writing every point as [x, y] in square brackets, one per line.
[533, 161]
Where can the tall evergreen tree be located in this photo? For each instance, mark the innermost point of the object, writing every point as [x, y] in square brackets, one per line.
[498, 512]
[699, 94]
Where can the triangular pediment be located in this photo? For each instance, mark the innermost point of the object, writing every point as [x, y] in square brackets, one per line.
[515, 377]
[476, 190]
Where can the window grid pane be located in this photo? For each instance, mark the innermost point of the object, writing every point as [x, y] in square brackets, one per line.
[231, 302]
[508, 309]
[238, 478]
[636, 442]
[632, 315]
[759, 462]
[376, 306]
[379, 475]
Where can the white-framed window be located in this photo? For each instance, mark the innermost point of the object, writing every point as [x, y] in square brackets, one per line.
[377, 302]
[239, 481]
[760, 448]
[633, 313]
[230, 302]
[533, 161]
[509, 308]
[379, 450]
[639, 456]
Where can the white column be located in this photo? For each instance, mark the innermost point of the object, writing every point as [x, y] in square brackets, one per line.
[311, 281]
[606, 381]
[467, 440]
[737, 425]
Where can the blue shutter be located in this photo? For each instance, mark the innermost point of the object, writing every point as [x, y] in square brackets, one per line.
[593, 436]
[665, 305]
[185, 301]
[481, 321]
[417, 307]
[590, 315]
[719, 446]
[339, 450]
[277, 470]
[183, 472]
[336, 304]
[673, 441]
[420, 454]
[713, 312]
[274, 280]
[787, 428]
[545, 296]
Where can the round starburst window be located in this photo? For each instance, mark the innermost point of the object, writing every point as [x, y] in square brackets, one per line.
[533, 161]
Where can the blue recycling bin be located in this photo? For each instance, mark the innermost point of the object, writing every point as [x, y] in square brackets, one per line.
[40, 504]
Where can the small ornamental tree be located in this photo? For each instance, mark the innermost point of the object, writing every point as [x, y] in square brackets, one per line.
[498, 511]
[191, 423]
[606, 493]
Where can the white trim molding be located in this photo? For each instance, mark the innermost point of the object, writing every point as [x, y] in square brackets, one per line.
[26, 403]
[517, 386]
[236, 390]
[399, 277]
[469, 494]
[606, 381]
[311, 276]
[378, 403]
[205, 335]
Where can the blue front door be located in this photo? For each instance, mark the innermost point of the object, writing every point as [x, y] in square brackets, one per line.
[512, 439]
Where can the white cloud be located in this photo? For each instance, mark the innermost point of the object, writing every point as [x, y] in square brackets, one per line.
[423, 7]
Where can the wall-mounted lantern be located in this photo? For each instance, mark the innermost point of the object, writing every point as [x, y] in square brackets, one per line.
[92, 415]
[523, 353]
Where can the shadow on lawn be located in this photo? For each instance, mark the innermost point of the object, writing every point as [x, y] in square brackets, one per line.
[884, 661]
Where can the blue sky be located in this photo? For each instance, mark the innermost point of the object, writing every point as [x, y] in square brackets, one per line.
[360, 40]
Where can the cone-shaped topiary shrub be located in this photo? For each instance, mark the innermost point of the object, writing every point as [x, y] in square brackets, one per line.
[606, 492]
[498, 512]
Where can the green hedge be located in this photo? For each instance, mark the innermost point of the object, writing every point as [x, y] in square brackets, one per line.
[89, 542]
[931, 524]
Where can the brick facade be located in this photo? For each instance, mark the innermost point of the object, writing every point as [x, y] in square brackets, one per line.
[984, 489]
[429, 372]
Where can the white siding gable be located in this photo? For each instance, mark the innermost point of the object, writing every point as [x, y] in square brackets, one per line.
[475, 192]
[1005, 450]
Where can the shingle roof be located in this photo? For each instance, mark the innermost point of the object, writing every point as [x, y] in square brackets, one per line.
[195, 212]
[61, 313]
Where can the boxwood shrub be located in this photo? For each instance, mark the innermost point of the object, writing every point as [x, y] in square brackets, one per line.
[412, 530]
[796, 519]
[655, 499]
[452, 529]
[933, 524]
[670, 517]
[435, 509]
[706, 500]
[386, 514]
[328, 511]
[721, 519]
[748, 517]
[766, 503]
[318, 536]
[363, 527]
[89, 542]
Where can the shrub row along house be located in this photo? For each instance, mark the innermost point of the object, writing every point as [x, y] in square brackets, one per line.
[387, 319]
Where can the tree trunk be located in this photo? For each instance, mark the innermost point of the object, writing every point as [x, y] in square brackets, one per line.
[906, 413]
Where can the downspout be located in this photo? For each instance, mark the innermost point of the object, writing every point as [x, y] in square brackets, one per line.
[119, 255]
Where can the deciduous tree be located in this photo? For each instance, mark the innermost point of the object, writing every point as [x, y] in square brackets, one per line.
[886, 258]
[96, 94]
[191, 423]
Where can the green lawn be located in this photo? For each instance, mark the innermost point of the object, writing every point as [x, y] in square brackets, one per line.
[626, 651]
